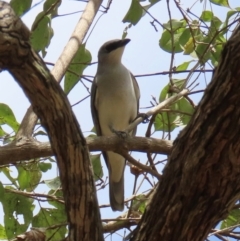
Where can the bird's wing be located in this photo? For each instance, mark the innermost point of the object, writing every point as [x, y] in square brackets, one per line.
[94, 96]
[94, 109]
[137, 93]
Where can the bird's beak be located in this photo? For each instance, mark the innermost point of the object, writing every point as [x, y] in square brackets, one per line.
[124, 42]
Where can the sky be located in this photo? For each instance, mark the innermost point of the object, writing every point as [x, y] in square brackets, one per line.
[142, 56]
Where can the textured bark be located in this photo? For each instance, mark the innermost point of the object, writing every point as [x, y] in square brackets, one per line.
[201, 181]
[52, 107]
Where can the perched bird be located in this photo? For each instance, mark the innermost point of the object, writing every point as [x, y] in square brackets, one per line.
[114, 105]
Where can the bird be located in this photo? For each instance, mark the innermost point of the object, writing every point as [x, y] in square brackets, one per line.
[115, 98]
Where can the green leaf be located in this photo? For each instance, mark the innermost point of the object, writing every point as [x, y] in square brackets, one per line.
[42, 33]
[45, 166]
[97, 167]
[221, 3]
[7, 117]
[229, 15]
[195, 25]
[134, 13]
[23, 178]
[164, 93]
[2, 132]
[178, 34]
[54, 183]
[154, 1]
[178, 83]
[166, 44]
[206, 16]
[183, 66]
[214, 27]
[185, 106]
[49, 217]
[20, 7]
[29, 176]
[14, 205]
[2, 233]
[75, 69]
[165, 122]
[186, 41]
[93, 130]
[186, 35]
[216, 54]
[232, 219]
[2, 192]
[175, 24]
[52, 6]
[189, 46]
[139, 203]
[181, 114]
[6, 172]
[51, 159]
[12, 226]
[59, 195]
[168, 121]
[202, 50]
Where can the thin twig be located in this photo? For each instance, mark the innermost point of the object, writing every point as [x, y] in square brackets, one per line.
[140, 165]
[157, 108]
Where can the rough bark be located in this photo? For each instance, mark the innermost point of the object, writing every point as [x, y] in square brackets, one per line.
[201, 181]
[52, 107]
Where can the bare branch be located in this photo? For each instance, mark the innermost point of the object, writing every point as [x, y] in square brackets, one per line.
[36, 195]
[27, 125]
[139, 164]
[29, 148]
[157, 108]
[76, 39]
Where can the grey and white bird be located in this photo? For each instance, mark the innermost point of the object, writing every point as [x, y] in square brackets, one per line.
[114, 105]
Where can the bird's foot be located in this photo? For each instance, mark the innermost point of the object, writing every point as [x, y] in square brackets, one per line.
[120, 134]
[144, 116]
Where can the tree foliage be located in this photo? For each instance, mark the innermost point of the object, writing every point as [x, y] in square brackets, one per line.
[200, 36]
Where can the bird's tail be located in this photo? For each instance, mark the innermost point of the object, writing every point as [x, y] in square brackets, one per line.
[116, 193]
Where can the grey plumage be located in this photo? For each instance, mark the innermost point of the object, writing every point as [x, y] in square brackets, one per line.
[114, 105]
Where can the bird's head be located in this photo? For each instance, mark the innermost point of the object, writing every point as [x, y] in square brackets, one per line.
[111, 51]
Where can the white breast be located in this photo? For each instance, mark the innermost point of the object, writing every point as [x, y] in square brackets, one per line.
[116, 101]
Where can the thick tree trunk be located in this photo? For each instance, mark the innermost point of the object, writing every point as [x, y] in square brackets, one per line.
[52, 107]
[201, 181]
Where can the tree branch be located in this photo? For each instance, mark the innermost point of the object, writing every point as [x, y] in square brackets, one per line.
[28, 148]
[27, 125]
[76, 39]
[51, 105]
[139, 165]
